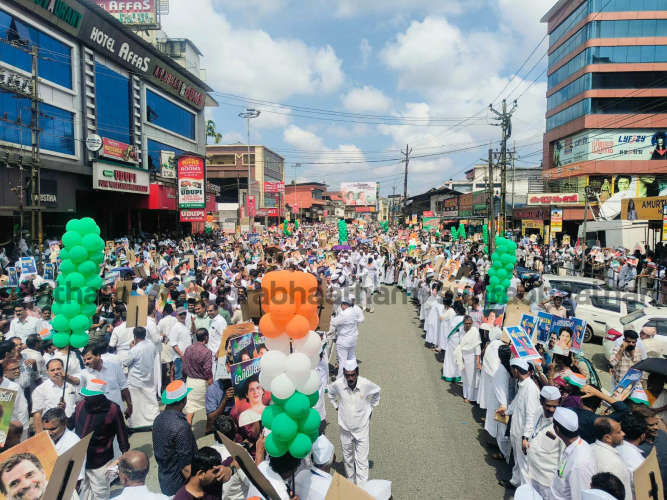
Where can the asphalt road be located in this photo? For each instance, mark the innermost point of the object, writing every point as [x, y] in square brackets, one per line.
[424, 438]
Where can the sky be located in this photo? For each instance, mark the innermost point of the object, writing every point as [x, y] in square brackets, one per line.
[343, 85]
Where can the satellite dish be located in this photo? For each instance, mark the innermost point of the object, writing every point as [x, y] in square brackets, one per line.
[161, 37]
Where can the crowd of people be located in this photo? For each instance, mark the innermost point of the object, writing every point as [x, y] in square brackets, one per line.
[563, 434]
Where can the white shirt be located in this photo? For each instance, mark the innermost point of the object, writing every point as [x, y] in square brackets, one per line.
[22, 329]
[66, 441]
[113, 375]
[28, 353]
[20, 412]
[631, 455]
[121, 338]
[165, 324]
[576, 468]
[140, 363]
[608, 460]
[274, 478]
[179, 335]
[312, 484]
[525, 409]
[73, 368]
[47, 395]
[139, 492]
[544, 452]
[354, 406]
[217, 326]
[346, 323]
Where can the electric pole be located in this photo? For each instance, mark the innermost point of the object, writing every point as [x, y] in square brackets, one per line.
[36, 173]
[505, 122]
[407, 153]
[492, 215]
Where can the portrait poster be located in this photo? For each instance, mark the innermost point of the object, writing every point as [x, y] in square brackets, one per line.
[243, 348]
[493, 314]
[28, 265]
[248, 393]
[39, 456]
[48, 271]
[566, 333]
[520, 343]
[13, 276]
[627, 384]
[528, 323]
[7, 399]
[543, 328]
[260, 344]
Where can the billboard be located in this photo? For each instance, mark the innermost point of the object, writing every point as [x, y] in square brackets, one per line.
[359, 193]
[553, 199]
[168, 164]
[603, 145]
[643, 208]
[141, 13]
[556, 220]
[274, 187]
[191, 182]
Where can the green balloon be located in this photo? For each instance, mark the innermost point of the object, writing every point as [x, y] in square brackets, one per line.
[76, 280]
[88, 295]
[60, 339]
[297, 405]
[314, 398]
[66, 267]
[63, 255]
[273, 447]
[89, 242]
[78, 340]
[72, 225]
[88, 309]
[79, 322]
[97, 257]
[311, 423]
[71, 309]
[56, 308]
[78, 254]
[95, 282]
[60, 323]
[269, 413]
[71, 239]
[278, 401]
[300, 446]
[88, 267]
[89, 226]
[284, 428]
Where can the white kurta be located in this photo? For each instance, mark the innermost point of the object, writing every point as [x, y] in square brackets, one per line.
[576, 467]
[450, 368]
[608, 460]
[525, 410]
[498, 396]
[490, 364]
[543, 454]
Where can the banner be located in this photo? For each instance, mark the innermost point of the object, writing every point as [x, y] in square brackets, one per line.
[117, 150]
[136, 14]
[250, 208]
[191, 182]
[193, 215]
[520, 344]
[556, 220]
[274, 187]
[566, 333]
[650, 208]
[554, 199]
[359, 193]
[168, 164]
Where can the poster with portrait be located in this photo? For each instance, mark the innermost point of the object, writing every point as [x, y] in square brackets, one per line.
[520, 344]
[48, 271]
[493, 314]
[13, 276]
[32, 460]
[248, 393]
[528, 323]
[7, 399]
[566, 333]
[627, 384]
[243, 348]
[542, 328]
[259, 342]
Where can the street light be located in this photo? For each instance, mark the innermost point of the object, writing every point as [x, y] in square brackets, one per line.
[248, 114]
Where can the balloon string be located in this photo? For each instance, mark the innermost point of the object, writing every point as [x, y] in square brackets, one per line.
[66, 370]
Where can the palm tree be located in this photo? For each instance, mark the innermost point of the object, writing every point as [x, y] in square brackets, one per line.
[212, 132]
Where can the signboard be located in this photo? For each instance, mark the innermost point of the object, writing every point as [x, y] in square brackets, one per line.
[272, 212]
[16, 82]
[553, 199]
[191, 182]
[135, 14]
[359, 193]
[450, 207]
[274, 187]
[429, 223]
[111, 177]
[612, 145]
[362, 209]
[427, 213]
[664, 223]
[650, 208]
[193, 215]
[531, 224]
[120, 151]
[168, 164]
[556, 220]
[465, 205]
[251, 206]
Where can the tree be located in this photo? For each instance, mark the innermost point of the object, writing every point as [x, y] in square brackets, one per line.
[212, 132]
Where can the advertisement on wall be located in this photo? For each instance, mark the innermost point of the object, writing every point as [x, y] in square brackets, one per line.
[643, 208]
[251, 210]
[556, 220]
[120, 151]
[465, 204]
[168, 164]
[110, 177]
[615, 189]
[359, 193]
[141, 13]
[274, 187]
[605, 145]
[191, 182]
[193, 215]
[553, 199]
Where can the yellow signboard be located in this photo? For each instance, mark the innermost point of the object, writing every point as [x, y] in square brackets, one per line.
[556, 220]
[649, 208]
[532, 224]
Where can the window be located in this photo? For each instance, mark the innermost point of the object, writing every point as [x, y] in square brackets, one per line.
[57, 125]
[633, 305]
[153, 153]
[166, 114]
[568, 114]
[660, 325]
[55, 60]
[112, 93]
[607, 303]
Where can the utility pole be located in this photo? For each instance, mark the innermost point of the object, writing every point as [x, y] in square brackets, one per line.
[513, 175]
[392, 216]
[407, 154]
[36, 170]
[492, 215]
[248, 114]
[588, 193]
[505, 122]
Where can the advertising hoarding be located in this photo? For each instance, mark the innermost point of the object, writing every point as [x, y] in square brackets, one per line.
[117, 150]
[553, 199]
[193, 215]
[191, 182]
[359, 193]
[274, 187]
[556, 220]
[141, 13]
[643, 208]
[110, 177]
[168, 164]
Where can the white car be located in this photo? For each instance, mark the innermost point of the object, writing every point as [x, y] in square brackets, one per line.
[650, 323]
[599, 307]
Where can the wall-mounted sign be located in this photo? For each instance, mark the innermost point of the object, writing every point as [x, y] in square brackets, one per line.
[556, 220]
[213, 188]
[193, 215]
[110, 177]
[168, 164]
[176, 83]
[94, 143]
[117, 150]
[274, 187]
[553, 199]
[15, 82]
[191, 182]
[272, 212]
[135, 14]
[650, 208]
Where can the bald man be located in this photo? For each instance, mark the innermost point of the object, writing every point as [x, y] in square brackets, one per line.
[132, 472]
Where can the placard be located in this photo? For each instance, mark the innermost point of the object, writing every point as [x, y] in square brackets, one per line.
[27, 265]
[520, 343]
[344, 489]
[40, 456]
[627, 384]
[7, 400]
[528, 323]
[567, 333]
[543, 328]
[123, 289]
[66, 470]
[648, 480]
[232, 331]
[137, 311]
[493, 314]
[243, 348]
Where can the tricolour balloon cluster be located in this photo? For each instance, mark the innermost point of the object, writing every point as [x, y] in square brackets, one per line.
[286, 228]
[485, 237]
[500, 274]
[342, 231]
[287, 370]
[461, 231]
[385, 226]
[78, 283]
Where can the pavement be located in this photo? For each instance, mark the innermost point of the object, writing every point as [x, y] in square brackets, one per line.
[424, 438]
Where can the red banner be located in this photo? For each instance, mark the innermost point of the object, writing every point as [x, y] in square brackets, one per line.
[119, 151]
[272, 212]
[251, 206]
[427, 213]
[193, 215]
[274, 187]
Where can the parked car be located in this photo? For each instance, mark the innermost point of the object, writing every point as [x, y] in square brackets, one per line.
[572, 284]
[650, 321]
[598, 307]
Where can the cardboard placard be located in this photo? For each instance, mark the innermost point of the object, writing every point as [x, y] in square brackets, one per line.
[254, 304]
[191, 261]
[233, 331]
[344, 489]
[123, 289]
[66, 470]
[40, 448]
[137, 311]
[247, 464]
[325, 316]
[140, 270]
[648, 481]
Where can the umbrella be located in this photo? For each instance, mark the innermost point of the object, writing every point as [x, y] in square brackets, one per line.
[653, 365]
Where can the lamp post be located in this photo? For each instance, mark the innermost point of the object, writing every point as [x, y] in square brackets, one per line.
[248, 114]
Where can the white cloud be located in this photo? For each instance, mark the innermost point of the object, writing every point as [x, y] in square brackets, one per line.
[366, 51]
[250, 61]
[256, 7]
[365, 99]
[350, 8]
[274, 117]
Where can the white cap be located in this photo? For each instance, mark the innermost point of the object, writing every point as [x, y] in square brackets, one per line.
[596, 495]
[248, 417]
[567, 418]
[380, 489]
[526, 492]
[323, 451]
[550, 393]
[350, 364]
[520, 363]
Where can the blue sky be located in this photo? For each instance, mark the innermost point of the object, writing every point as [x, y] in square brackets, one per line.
[379, 73]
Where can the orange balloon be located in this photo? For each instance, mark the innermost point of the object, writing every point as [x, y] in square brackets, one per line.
[268, 328]
[297, 327]
[308, 308]
[314, 321]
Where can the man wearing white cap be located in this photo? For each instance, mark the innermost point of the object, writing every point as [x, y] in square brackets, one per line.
[525, 410]
[354, 398]
[313, 483]
[346, 323]
[577, 464]
[544, 447]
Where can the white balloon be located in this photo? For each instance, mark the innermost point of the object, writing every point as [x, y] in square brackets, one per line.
[309, 345]
[281, 343]
[298, 368]
[314, 361]
[311, 385]
[273, 363]
[282, 387]
[265, 381]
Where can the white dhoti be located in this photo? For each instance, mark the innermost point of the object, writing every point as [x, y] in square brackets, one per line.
[497, 430]
[485, 383]
[95, 485]
[355, 454]
[469, 376]
[520, 469]
[344, 353]
[144, 407]
[366, 295]
[197, 396]
[157, 373]
[450, 368]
